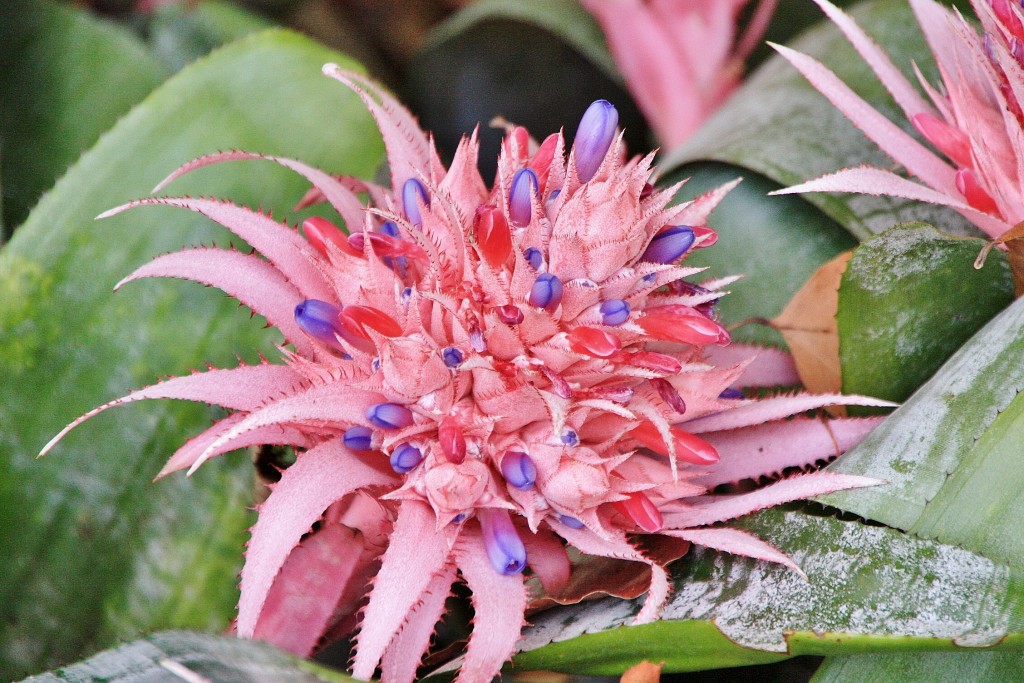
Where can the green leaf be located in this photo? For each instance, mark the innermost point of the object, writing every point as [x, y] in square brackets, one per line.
[951, 453]
[990, 666]
[778, 125]
[180, 33]
[161, 656]
[801, 239]
[65, 78]
[868, 588]
[910, 298]
[95, 551]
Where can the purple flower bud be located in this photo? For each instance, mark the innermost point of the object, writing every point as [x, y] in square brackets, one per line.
[389, 415]
[375, 364]
[570, 522]
[534, 257]
[319, 320]
[459, 518]
[731, 393]
[405, 457]
[593, 138]
[504, 547]
[614, 312]
[518, 469]
[549, 203]
[358, 438]
[390, 228]
[520, 197]
[669, 244]
[452, 356]
[570, 437]
[414, 194]
[546, 292]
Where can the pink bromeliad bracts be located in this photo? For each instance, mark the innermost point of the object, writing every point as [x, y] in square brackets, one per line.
[975, 119]
[476, 378]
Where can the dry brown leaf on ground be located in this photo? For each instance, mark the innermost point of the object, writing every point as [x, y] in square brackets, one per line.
[644, 672]
[808, 324]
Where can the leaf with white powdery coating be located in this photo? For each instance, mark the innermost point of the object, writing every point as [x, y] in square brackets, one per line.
[97, 552]
[868, 587]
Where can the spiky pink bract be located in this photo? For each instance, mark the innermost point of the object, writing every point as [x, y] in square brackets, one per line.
[444, 336]
[681, 58]
[975, 120]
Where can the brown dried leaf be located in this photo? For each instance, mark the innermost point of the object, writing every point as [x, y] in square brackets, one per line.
[644, 672]
[808, 324]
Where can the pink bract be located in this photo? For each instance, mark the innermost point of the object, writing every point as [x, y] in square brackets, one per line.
[681, 58]
[476, 378]
[974, 120]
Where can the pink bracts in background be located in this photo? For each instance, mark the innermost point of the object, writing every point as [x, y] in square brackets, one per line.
[974, 119]
[680, 58]
[476, 378]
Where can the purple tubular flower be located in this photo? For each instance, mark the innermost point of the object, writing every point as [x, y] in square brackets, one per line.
[319, 320]
[534, 257]
[546, 292]
[414, 194]
[358, 438]
[593, 138]
[570, 522]
[518, 469]
[520, 197]
[390, 228]
[389, 415]
[614, 312]
[570, 437]
[452, 356]
[731, 393]
[405, 458]
[504, 547]
[669, 244]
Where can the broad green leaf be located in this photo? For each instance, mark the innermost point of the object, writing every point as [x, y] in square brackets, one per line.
[65, 77]
[777, 240]
[909, 298]
[951, 453]
[989, 666]
[868, 588]
[778, 125]
[180, 33]
[95, 551]
[169, 655]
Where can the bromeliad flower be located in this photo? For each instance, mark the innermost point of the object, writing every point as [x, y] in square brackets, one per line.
[680, 58]
[476, 378]
[974, 121]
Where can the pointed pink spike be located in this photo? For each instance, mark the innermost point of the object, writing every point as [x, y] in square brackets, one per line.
[776, 408]
[974, 193]
[416, 552]
[736, 542]
[320, 477]
[499, 602]
[403, 655]
[951, 141]
[639, 509]
[241, 388]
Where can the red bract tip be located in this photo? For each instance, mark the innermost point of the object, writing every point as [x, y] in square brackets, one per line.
[387, 246]
[594, 342]
[972, 191]
[704, 236]
[669, 395]
[681, 324]
[641, 511]
[362, 317]
[320, 231]
[689, 448]
[493, 238]
[541, 162]
[1007, 17]
[452, 440]
[948, 139]
[510, 314]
